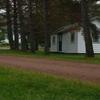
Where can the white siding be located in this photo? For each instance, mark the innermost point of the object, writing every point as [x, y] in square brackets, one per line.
[53, 46]
[81, 44]
[67, 45]
[78, 46]
[96, 47]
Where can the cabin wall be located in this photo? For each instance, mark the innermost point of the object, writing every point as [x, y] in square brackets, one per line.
[78, 46]
[81, 44]
[97, 45]
[67, 45]
[53, 43]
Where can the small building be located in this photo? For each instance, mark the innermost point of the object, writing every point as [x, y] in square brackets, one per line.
[70, 39]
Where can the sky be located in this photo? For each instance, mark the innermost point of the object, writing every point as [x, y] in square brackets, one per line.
[98, 2]
[2, 11]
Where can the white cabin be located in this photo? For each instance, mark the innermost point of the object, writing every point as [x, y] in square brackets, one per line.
[72, 41]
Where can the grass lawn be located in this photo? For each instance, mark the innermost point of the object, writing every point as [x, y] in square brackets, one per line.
[17, 84]
[54, 56]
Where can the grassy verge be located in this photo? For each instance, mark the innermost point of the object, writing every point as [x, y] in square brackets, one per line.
[16, 84]
[54, 56]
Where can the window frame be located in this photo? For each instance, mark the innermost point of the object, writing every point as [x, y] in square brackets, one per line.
[72, 37]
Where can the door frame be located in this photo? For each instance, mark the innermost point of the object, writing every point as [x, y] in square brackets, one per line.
[59, 38]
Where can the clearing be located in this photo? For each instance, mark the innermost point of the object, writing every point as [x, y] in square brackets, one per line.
[75, 70]
[17, 84]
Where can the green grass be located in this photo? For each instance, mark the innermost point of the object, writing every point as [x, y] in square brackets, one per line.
[17, 84]
[54, 56]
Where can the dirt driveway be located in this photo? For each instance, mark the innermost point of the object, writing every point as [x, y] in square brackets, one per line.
[81, 71]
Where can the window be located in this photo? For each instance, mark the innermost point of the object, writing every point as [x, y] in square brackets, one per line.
[53, 40]
[96, 38]
[72, 37]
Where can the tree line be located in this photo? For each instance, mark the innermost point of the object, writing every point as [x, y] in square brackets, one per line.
[34, 20]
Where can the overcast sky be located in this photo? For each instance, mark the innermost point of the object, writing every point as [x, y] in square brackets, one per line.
[98, 2]
[2, 11]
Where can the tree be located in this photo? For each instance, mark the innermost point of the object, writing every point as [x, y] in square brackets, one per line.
[15, 24]
[35, 20]
[9, 24]
[86, 29]
[31, 26]
[45, 11]
[21, 26]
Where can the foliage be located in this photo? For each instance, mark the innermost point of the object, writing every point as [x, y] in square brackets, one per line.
[33, 23]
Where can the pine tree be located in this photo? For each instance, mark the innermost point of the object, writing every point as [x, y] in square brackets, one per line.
[86, 29]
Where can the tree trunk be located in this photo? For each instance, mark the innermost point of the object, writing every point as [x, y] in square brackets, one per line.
[9, 24]
[86, 29]
[21, 26]
[31, 27]
[15, 23]
[45, 7]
